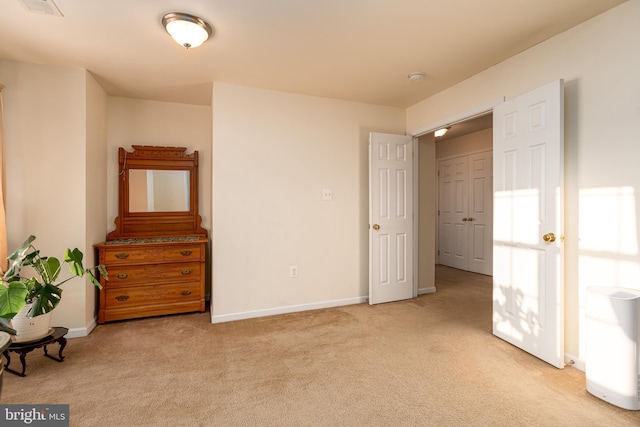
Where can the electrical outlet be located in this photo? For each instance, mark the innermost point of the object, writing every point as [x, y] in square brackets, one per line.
[327, 194]
[293, 271]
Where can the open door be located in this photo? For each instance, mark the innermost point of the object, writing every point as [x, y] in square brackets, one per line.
[390, 218]
[528, 279]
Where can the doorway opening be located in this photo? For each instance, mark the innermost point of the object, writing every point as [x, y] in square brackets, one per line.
[528, 192]
[464, 230]
[463, 196]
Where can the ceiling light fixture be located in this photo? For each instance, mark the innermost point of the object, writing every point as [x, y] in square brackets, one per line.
[187, 30]
[416, 77]
[440, 132]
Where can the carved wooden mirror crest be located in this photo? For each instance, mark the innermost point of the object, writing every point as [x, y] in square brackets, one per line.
[158, 193]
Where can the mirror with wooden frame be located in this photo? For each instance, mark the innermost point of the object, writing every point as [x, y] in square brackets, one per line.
[158, 193]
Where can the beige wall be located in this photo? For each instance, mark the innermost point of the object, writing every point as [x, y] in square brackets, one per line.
[46, 133]
[273, 154]
[465, 144]
[600, 65]
[428, 206]
[96, 177]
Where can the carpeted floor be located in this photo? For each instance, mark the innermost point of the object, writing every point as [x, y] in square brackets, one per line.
[430, 361]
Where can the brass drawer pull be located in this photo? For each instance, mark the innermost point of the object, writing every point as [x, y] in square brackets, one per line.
[185, 253]
[185, 272]
[122, 276]
[122, 297]
[186, 292]
[122, 256]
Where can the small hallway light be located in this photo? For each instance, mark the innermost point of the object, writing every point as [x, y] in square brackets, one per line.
[440, 132]
[187, 30]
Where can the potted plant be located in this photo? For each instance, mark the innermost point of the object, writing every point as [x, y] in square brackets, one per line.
[37, 294]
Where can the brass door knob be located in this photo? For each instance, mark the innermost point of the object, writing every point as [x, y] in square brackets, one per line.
[465, 219]
[549, 237]
[376, 227]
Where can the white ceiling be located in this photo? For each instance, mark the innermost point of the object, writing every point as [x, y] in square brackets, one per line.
[357, 50]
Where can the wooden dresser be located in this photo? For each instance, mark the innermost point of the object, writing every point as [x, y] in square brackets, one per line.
[156, 256]
[149, 277]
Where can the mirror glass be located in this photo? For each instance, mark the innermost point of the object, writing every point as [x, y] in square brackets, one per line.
[152, 190]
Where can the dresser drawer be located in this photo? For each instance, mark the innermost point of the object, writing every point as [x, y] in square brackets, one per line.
[123, 255]
[139, 296]
[150, 274]
[151, 278]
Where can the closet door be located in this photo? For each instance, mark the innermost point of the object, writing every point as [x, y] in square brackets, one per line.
[480, 219]
[453, 190]
[465, 212]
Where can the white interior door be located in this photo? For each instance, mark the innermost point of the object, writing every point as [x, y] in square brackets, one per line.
[480, 219]
[465, 218]
[390, 218]
[453, 205]
[528, 281]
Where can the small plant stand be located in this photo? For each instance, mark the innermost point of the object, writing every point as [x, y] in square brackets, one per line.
[22, 348]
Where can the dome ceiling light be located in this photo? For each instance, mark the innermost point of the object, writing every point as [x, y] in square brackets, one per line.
[187, 30]
[441, 132]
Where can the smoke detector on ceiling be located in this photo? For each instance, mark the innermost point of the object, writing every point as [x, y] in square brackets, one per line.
[416, 77]
[43, 7]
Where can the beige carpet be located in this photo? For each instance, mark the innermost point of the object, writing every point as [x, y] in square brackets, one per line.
[431, 361]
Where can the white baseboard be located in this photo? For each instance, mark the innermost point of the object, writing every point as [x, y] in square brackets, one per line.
[429, 290]
[81, 332]
[574, 362]
[287, 309]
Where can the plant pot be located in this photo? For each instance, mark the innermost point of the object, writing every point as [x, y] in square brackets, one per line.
[30, 328]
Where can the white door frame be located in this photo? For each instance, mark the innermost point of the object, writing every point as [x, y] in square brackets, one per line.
[416, 213]
[470, 114]
[477, 111]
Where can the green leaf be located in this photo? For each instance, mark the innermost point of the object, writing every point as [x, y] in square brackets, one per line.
[40, 288]
[19, 258]
[22, 250]
[31, 258]
[103, 271]
[12, 299]
[4, 326]
[47, 299]
[33, 286]
[74, 259]
[94, 279]
[49, 269]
